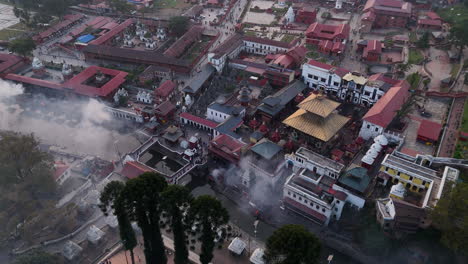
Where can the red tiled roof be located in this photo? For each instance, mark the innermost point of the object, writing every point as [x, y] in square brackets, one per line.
[178, 47]
[430, 130]
[383, 112]
[327, 32]
[227, 143]
[382, 77]
[133, 169]
[8, 60]
[430, 22]
[433, 15]
[165, 89]
[164, 108]
[33, 81]
[198, 120]
[67, 20]
[409, 151]
[116, 30]
[305, 209]
[338, 71]
[338, 194]
[284, 60]
[59, 170]
[374, 46]
[77, 82]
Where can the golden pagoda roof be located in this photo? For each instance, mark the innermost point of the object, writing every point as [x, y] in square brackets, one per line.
[316, 126]
[355, 78]
[319, 105]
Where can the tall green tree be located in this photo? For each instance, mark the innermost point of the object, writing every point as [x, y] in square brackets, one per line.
[23, 47]
[112, 197]
[121, 6]
[38, 257]
[143, 201]
[176, 200]
[451, 217]
[210, 213]
[423, 42]
[292, 244]
[21, 153]
[459, 34]
[178, 25]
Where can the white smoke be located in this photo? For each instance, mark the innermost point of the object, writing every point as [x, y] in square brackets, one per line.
[76, 126]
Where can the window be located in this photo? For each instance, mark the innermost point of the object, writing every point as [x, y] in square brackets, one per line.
[314, 85]
[310, 76]
[398, 173]
[323, 210]
[289, 193]
[411, 178]
[315, 78]
[386, 168]
[318, 207]
[424, 183]
[294, 195]
[376, 129]
[336, 83]
[337, 202]
[300, 198]
[336, 209]
[368, 126]
[323, 80]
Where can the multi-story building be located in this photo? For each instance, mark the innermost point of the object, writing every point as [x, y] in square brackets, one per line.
[385, 14]
[341, 83]
[379, 116]
[237, 43]
[309, 189]
[417, 188]
[328, 38]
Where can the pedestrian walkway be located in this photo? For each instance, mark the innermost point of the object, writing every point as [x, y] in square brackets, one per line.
[450, 135]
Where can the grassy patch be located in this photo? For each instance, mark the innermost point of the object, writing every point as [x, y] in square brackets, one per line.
[287, 38]
[455, 69]
[415, 56]
[13, 31]
[250, 33]
[413, 37]
[454, 14]
[165, 3]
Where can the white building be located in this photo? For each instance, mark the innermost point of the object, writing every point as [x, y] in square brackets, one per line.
[219, 112]
[234, 45]
[289, 17]
[144, 97]
[345, 85]
[309, 190]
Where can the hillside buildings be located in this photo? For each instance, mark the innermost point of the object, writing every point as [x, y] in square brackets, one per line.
[385, 14]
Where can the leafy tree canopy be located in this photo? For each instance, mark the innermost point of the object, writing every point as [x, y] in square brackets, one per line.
[178, 25]
[38, 257]
[451, 217]
[22, 47]
[292, 244]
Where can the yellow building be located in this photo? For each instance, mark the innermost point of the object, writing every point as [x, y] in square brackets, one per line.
[316, 117]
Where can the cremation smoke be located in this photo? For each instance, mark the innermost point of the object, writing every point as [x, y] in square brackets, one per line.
[76, 126]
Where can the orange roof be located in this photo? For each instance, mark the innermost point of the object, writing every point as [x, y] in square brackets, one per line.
[383, 112]
[133, 169]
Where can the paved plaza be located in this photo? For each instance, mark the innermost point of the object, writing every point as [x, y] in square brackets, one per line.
[7, 18]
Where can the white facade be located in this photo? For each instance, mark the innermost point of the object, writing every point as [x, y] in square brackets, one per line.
[219, 114]
[320, 165]
[370, 130]
[313, 201]
[326, 80]
[289, 17]
[262, 49]
[218, 62]
[64, 176]
[321, 79]
[144, 97]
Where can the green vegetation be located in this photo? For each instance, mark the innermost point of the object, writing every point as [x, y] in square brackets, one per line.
[23, 47]
[27, 188]
[454, 14]
[178, 25]
[414, 79]
[288, 38]
[326, 15]
[152, 203]
[292, 244]
[249, 33]
[423, 42]
[415, 57]
[464, 124]
[450, 216]
[454, 70]
[165, 3]
[38, 257]
[413, 37]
